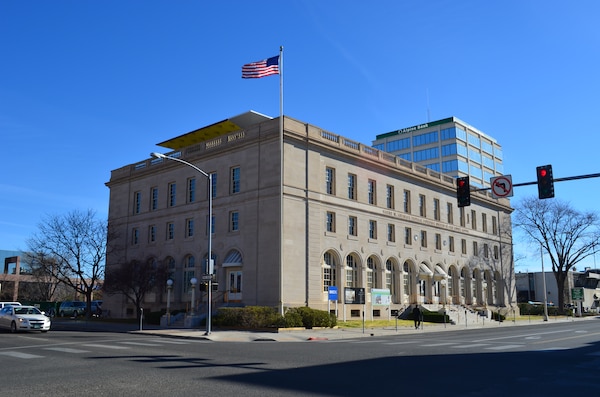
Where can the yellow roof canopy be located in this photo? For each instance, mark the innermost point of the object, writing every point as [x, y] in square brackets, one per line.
[215, 130]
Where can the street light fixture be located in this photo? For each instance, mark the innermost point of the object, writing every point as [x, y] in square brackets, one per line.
[209, 264]
[169, 288]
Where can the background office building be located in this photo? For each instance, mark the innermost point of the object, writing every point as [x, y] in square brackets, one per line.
[298, 213]
[450, 146]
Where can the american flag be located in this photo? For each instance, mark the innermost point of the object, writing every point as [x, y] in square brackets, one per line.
[256, 70]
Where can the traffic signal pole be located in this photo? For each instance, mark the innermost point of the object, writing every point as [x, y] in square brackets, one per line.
[568, 178]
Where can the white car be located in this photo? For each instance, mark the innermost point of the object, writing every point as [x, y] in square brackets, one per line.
[24, 318]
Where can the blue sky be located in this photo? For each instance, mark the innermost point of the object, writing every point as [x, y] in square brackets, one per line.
[89, 86]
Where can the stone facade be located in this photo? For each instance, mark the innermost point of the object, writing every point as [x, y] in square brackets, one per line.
[351, 216]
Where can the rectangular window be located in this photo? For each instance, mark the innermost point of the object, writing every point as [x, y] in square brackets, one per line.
[154, 198]
[494, 226]
[189, 227]
[451, 243]
[391, 232]
[450, 214]
[463, 221]
[407, 236]
[135, 236]
[406, 204]
[330, 180]
[137, 202]
[373, 229]
[352, 186]
[484, 222]
[152, 233]
[234, 221]
[213, 178]
[436, 209]
[473, 220]
[191, 185]
[463, 246]
[389, 200]
[235, 180]
[172, 194]
[423, 239]
[372, 192]
[485, 251]
[496, 252]
[475, 249]
[422, 206]
[438, 241]
[330, 222]
[170, 230]
[352, 223]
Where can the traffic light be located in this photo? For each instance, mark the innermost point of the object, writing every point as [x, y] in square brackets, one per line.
[545, 182]
[463, 191]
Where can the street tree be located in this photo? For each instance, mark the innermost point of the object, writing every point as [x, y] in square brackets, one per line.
[75, 245]
[136, 279]
[566, 235]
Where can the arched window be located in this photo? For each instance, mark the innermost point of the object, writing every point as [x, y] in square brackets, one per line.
[351, 271]
[329, 274]
[389, 276]
[371, 273]
[406, 284]
[189, 272]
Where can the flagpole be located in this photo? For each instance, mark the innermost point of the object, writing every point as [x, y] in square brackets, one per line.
[281, 180]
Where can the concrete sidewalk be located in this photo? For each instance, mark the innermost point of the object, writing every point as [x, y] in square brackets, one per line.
[324, 334]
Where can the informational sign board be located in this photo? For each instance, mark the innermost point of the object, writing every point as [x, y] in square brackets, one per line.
[577, 294]
[501, 186]
[354, 295]
[381, 297]
[332, 293]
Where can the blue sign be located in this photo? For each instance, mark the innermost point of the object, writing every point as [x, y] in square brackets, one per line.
[333, 293]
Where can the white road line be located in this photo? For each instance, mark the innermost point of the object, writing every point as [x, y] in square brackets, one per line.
[368, 341]
[115, 347]
[172, 342]
[66, 350]
[20, 355]
[399, 343]
[440, 344]
[141, 344]
[503, 347]
[470, 346]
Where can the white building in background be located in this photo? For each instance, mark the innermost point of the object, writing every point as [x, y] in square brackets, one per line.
[450, 146]
[297, 214]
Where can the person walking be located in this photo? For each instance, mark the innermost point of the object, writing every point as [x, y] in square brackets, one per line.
[416, 312]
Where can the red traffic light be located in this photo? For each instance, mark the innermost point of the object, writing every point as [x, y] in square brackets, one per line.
[543, 172]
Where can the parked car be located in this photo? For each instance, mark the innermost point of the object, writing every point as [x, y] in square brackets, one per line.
[2, 304]
[97, 308]
[24, 318]
[71, 309]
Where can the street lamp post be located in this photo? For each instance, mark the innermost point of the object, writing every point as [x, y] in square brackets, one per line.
[209, 264]
[193, 281]
[169, 288]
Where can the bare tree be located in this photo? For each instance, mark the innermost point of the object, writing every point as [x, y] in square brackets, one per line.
[565, 234]
[135, 280]
[43, 270]
[76, 242]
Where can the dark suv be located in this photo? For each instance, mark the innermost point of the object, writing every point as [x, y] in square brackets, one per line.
[71, 308]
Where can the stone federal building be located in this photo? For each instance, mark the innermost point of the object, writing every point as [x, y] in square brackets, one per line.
[298, 213]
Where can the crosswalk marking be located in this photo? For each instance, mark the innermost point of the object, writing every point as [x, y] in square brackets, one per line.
[114, 347]
[172, 342]
[20, 355]
[399, 343]
[503, 347]
[141, 344]
[66, 350]
[469, 346]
